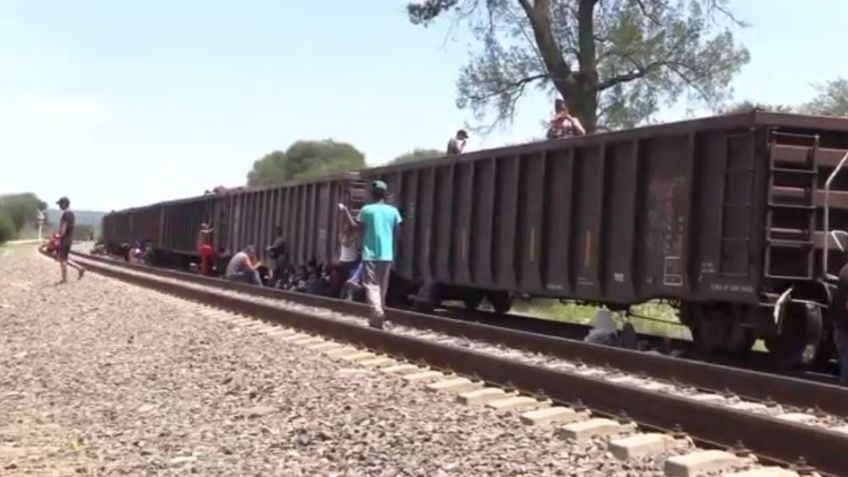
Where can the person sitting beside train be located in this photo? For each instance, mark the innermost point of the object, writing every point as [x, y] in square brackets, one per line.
[603, 329]
[278, 252]
[222, 259]
[564, 124]
[457, 143]
[244, 267]
[134, 255]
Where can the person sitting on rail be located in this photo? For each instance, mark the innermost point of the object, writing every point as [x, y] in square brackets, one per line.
[222, 259]
[457, 143]
[564, 124]
[603, 329]
[243, 267]
[204, 248]
[278, 252]
[134, 255]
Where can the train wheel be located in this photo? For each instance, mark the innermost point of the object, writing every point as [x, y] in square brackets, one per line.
[427, 298]
[740, 339]
[473, 300]
[708, 334]
[501, 301]
[719, 330]
[798, 343]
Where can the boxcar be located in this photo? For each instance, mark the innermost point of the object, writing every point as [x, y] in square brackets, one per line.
[735, 217]
[306, 211]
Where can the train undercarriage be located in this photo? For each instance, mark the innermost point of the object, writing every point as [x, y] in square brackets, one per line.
[794, 330]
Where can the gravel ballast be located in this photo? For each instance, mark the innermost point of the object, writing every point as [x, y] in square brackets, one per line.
[813, 417]
[102, 378]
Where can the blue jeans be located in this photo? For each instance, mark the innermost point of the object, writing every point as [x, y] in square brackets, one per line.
[841, 339]
[246, 276]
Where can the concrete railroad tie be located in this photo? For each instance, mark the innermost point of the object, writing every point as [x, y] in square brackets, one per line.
[703, 462]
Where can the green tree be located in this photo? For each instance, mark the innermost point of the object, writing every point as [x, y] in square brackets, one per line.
[615, 61]
[268, 170]
[7, 227]
[21, 208]
[417, 155]
[305, 160]
[832, 99]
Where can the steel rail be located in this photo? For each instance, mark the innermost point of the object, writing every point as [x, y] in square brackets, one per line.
[744, 383]
[768, 437]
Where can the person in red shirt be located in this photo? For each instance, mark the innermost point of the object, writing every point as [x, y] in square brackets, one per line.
[204, 248]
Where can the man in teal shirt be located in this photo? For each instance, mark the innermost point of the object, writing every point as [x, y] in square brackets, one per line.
[379, 222]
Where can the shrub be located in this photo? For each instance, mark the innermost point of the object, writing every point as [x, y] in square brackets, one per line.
[7, 226]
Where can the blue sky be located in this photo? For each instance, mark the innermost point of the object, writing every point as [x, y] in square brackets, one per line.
[118, 103]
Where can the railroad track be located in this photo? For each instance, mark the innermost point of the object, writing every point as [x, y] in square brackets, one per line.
[680, 348]
[770, 414]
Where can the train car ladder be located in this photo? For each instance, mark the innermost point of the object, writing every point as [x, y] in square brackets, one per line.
[797, 239]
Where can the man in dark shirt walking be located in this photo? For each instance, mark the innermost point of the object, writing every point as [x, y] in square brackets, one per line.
[839, 315]
[66, 238]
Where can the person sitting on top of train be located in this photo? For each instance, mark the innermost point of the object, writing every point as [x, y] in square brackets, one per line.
[204, 248]
[564, 124]
[457, 143]
[243, 267]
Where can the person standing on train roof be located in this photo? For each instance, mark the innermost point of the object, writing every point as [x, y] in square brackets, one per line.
[564, 124]
[204, 248]
[839, 314]
[244, 267]
[457, 143]
[379, 223]
[66, 238]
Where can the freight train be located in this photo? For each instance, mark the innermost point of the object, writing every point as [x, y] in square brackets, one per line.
[738, 220]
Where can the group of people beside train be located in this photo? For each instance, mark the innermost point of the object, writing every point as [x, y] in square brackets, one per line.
[366, 253]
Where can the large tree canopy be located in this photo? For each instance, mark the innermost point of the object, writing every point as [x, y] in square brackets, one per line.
[832, 99]
[615, 61]
[417, 155]
[305, 160]
[16, 210]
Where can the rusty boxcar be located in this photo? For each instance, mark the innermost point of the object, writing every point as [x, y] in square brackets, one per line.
[306, 212]
[730, 216]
